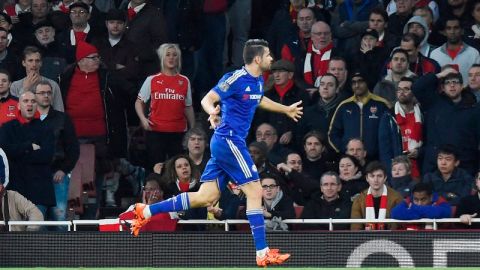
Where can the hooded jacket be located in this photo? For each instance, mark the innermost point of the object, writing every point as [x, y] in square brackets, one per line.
[425, 48]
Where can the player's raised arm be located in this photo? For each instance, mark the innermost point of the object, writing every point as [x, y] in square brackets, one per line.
[208, 104]
[293, 111]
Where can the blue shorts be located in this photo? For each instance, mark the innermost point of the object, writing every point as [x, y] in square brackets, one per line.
[229, 161]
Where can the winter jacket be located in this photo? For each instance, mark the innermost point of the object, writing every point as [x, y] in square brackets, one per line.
[407, 209]
[464, 60]
[456, 187]
[448, 123]
[389, 139]
[425, 48]
[469, 205]
[20, 209]
[318, 208]
[351, 121]
[403, 185]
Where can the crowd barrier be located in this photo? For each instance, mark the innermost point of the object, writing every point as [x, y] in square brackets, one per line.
[226, 223]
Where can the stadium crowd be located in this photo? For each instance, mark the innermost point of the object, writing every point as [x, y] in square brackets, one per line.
[391, 92]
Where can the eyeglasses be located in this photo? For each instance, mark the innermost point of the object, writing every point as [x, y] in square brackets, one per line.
[78, 12]
[95, 57]
[267, 187]
[44, 94]
[454, 81]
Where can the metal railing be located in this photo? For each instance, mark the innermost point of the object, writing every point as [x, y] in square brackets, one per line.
[228, 222]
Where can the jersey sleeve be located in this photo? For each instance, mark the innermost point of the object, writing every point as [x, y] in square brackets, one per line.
[188, 99]
[224, 87]
[145, 90]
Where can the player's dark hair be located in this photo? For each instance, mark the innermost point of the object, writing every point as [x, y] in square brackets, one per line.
[253, 48]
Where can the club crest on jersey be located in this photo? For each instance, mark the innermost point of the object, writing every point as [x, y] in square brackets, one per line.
[11, 108]
[180, 82]
[224, 86]
[373, 110]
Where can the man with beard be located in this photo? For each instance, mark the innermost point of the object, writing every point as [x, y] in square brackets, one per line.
[419, 64]
[455, 52]
[317, 159]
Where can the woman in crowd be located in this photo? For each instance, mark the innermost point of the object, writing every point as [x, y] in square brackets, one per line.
[353, 181]
[170, 112]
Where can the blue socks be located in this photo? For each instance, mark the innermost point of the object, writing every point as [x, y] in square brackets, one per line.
[174, 204]
[257, 225]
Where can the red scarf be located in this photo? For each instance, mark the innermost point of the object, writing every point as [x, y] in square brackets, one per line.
[319, 58]
[281, 91]
[370, 210]
[131, 13]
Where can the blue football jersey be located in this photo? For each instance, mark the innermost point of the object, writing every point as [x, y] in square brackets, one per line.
[240, 95]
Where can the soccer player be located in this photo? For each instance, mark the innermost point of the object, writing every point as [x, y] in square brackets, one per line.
[240, 93]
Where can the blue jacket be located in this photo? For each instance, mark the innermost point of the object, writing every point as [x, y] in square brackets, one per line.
[448, 123]
[349, 121]
[456, 187]
[360, 13]
[389, 140]
[407, 210]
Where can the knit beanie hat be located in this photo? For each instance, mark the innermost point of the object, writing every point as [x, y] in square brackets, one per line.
[84, 49]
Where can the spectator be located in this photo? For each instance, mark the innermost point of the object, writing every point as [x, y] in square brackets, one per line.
[195, 142]
[67, 149]
[419, 64]
[29, 146]
[418, 26]
[338, 67]
[13, 206]
[387, 87]
[152, 192]
[32, 62]
[268, 134]
[53, 61]
[181, 176]
[317, 157]
[87, 85]
[369, 57]
[318, 116]
[377, 202]
[170, 112]
[474, 81]
[81, 30]
[258, 152]
[351, 176]
[448, 180]
[8, 59]
[13, 44]
[399, 19]
[469, 207]
[147, 31]
[358, 117]
[472, 29]
[17, 8]
[356, 148]
[115, 49]
[319, 52]
[356, 10]
[401, 179]
[275, 202]
[286, 92]
[455, 52]
[451, 118]
[23, 30]
[424, 203]
[327, 203]
[8, 103]
[378, 21]
[298, 185]
[295, 49]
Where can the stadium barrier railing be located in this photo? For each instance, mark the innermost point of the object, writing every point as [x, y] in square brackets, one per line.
[331, 222]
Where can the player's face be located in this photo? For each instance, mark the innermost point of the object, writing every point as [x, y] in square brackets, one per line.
[196, 144]
[270, 188]
[266, 60]
[183, 169]
[4, 84]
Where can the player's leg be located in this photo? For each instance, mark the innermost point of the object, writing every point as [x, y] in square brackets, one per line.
[265, 256]
[207, 194]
